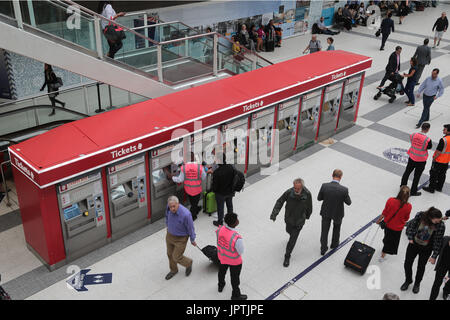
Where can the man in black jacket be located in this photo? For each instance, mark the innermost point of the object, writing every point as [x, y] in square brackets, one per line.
[441, 26]
[333, 196]
[298, 208]
[222, 186]
[442, 268]
[386, 26]
[393, 65]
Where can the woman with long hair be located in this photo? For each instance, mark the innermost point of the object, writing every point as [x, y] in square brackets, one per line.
[395, 214]
[52, 89]
[425, 233]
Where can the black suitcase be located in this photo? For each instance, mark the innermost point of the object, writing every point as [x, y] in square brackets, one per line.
[270, 46]
[211, 253]
[359, 256]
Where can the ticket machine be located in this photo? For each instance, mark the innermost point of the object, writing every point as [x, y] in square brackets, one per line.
[235, 141]
[330, 111]
[309, 119]
[349, 102]
[165, 162]
[287, 126]
[82, 212]
[260, 140]
[127, 196]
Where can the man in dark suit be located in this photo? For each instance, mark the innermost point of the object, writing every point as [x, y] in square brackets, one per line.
[442, 269]
[334, 196]
[423, 56]
[386, 26]
[393, 65]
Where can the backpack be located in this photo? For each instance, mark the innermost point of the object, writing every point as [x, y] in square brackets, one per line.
[238, 181]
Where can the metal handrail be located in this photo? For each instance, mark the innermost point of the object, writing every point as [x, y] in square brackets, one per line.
[99, 16]
[41, 106]
[154, 25]
[188, 38]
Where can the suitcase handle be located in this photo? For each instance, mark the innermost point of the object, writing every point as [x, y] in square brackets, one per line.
[368, 232]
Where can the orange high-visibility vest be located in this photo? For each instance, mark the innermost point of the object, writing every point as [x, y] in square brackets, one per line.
[192, 178]
[418, 151]
[226, 246]
[444, 157]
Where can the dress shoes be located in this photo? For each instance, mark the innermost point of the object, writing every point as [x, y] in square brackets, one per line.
[286, 262]
[240, 297]
[416, 194]
[428, 189]
[405, 286]
[189, 270]
[170, 275]
[416, 288]
[323, 251]
[221, 287]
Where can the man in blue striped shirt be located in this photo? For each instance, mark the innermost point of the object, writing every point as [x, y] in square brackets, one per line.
[432, 89]
[180, 227]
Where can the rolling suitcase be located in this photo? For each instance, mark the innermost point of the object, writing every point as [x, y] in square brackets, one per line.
[360, 255]
[211, 253]
[209, 197]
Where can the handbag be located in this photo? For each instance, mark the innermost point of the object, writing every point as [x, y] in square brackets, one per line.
[383, 223]
[114, 34]
[377, 34]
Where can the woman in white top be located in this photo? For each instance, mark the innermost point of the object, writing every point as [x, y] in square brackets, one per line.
[106, 10]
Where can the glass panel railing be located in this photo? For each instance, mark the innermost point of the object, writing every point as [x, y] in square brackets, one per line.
[6, 8]
[12, 122]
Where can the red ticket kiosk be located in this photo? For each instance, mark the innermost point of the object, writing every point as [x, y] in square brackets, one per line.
[91, 181]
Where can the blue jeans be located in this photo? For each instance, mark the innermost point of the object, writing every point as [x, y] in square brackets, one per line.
[427, 101]
[409, 91]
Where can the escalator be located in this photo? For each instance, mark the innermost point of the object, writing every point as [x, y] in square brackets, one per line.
[155, 59]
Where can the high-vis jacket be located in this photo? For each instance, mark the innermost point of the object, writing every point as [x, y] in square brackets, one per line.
[226, 246]
[192, 178]
[418, 151]
[444, 157]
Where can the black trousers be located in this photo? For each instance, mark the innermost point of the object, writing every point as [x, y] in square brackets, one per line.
[424, 253]
[114, 47]
[293, 232]
[418, 168]
[326, 223]
[438, 174]
[193, 200]
[384, 38]
[221, 200]
[438, 279]
[235, 272]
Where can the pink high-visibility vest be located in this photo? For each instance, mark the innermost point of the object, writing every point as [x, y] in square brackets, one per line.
[192, 178]
[418, 151]
[226, 246]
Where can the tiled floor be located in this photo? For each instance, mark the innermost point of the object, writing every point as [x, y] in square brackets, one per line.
[139, 263]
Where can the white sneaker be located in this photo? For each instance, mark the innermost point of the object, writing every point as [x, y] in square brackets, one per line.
[381, 259]
[214, 215]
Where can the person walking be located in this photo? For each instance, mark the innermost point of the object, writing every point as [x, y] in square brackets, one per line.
[441, 158]
[230, 248]
[441, 26]
[298, 209]
[222, 186]
[51, 82]
[314, 45]
[392, 67]
[418, 155]
[180, 227]
[442, 268]
[423, 56]
[333, 195]
[386, 26]
[107, 11]
[191, 175]
[425, 233]
[395, 215]
[411, 82]
[432, 89]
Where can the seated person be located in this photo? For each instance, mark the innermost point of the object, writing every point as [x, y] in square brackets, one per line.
[341, 20]
[323, 29]
[362, 15]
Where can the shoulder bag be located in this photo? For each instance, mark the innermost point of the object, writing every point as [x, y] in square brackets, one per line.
[383, 223]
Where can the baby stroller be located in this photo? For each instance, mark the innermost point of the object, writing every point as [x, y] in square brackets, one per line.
[391, 90]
